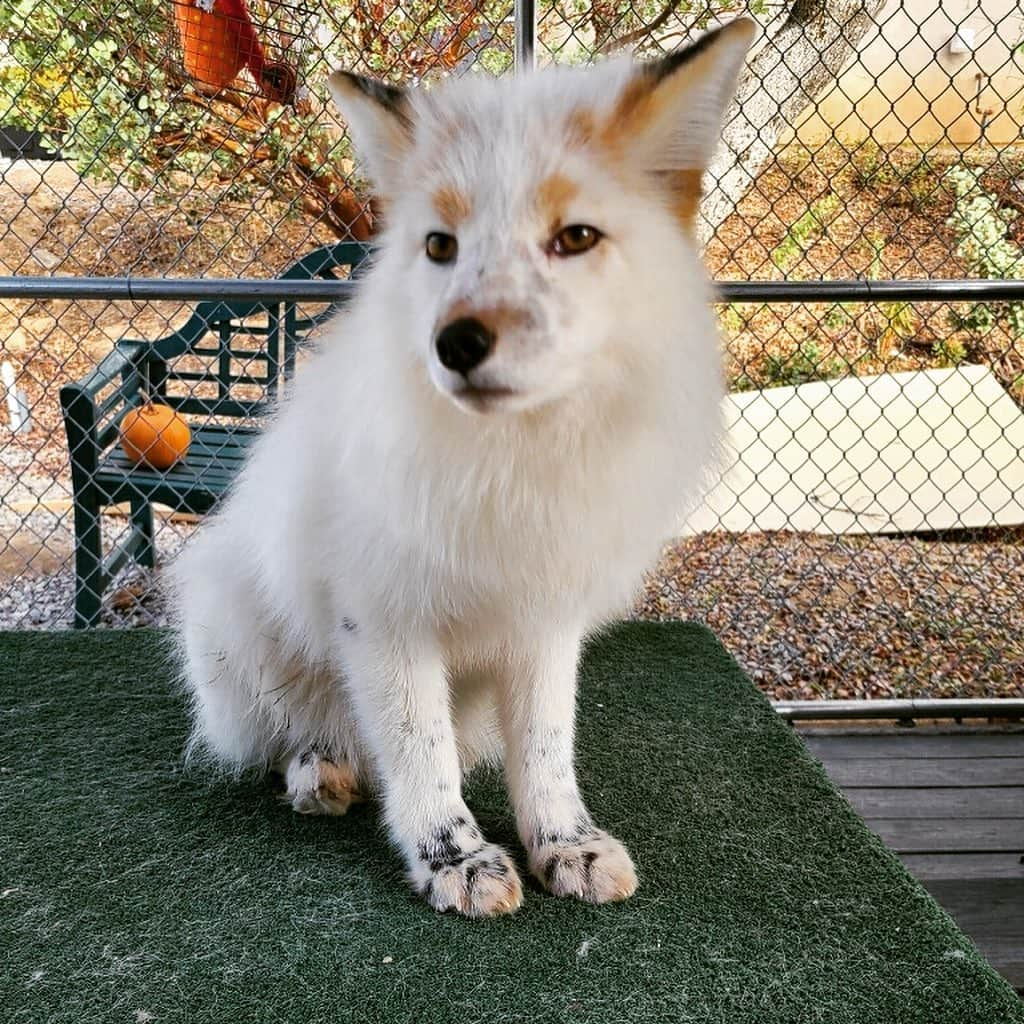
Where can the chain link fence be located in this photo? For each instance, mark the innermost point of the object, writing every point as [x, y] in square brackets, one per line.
[866, 540]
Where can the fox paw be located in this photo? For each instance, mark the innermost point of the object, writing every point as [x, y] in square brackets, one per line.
[483, 883]
[314, 785]
[595, 868]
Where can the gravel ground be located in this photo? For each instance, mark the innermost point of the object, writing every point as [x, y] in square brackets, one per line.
[46, 601]
[807, 616]
[813, 617]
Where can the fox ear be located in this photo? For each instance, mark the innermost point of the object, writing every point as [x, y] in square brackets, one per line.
[670, 113]
[380, 120]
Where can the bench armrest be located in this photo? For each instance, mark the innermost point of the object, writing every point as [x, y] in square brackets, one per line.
[90, 420]
[126, 357]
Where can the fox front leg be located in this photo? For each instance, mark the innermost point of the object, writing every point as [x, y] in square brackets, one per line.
[567, 853]
[400, 696]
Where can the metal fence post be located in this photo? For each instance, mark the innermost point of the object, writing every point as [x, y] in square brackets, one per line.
[526, 34]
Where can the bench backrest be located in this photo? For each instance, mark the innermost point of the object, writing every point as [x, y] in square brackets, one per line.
[230, 359]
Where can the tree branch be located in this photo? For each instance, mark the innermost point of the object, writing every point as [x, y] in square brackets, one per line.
[658, 22]
[643, 32]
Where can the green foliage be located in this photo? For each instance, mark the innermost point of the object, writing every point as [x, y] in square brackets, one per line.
[877, 170]
[805, 363]
[734, 317]
[981, 226]
[921, 183]
[870, 167]
[96, 80]
[810, 226]
[949, 351]
[840, 314]
[877, 243]
[78, 74]
[901, 319]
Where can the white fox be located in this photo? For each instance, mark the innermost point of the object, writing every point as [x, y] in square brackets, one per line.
[512, 415]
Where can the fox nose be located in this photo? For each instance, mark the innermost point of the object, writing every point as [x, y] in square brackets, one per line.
[464, 344]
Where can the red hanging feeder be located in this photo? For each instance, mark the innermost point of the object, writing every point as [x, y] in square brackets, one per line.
[218, 39]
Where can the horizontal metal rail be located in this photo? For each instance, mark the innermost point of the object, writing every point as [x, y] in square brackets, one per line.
[906, 290]
[899, 710]
[150, 289]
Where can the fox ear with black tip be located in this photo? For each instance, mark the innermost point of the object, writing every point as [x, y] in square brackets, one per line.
[670, 113]
[380, 119]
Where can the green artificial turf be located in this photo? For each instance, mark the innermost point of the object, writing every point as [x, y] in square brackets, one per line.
[135, 891]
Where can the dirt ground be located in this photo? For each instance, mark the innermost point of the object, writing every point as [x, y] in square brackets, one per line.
[864, 617]
[885, 216]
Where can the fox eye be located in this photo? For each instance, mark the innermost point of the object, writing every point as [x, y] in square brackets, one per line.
[441, 248]
[575, 239]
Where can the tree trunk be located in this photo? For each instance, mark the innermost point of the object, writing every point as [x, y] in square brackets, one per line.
[790, 67]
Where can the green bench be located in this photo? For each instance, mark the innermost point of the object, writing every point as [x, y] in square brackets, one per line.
[222, 371]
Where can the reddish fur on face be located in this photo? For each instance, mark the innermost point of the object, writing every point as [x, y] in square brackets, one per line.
[581, 127]
[495, 318]
[686, 191]
[554, 194]
[452, 205]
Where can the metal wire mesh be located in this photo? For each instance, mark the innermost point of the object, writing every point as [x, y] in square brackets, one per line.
[866, 540]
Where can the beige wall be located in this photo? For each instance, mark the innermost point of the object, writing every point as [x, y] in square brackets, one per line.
[924, 92]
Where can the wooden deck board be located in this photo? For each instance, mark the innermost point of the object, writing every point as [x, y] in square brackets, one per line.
[994, 903]
[952, 806]
[964, 866]
[926, 771]
[908, 803]
[950, 835]
[991, 912]
[899, 744]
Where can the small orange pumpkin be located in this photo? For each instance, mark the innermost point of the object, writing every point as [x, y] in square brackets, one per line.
[155, 434]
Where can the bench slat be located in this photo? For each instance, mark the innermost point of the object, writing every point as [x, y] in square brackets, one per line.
[215, 456]
[193, 376]
[236, 353]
